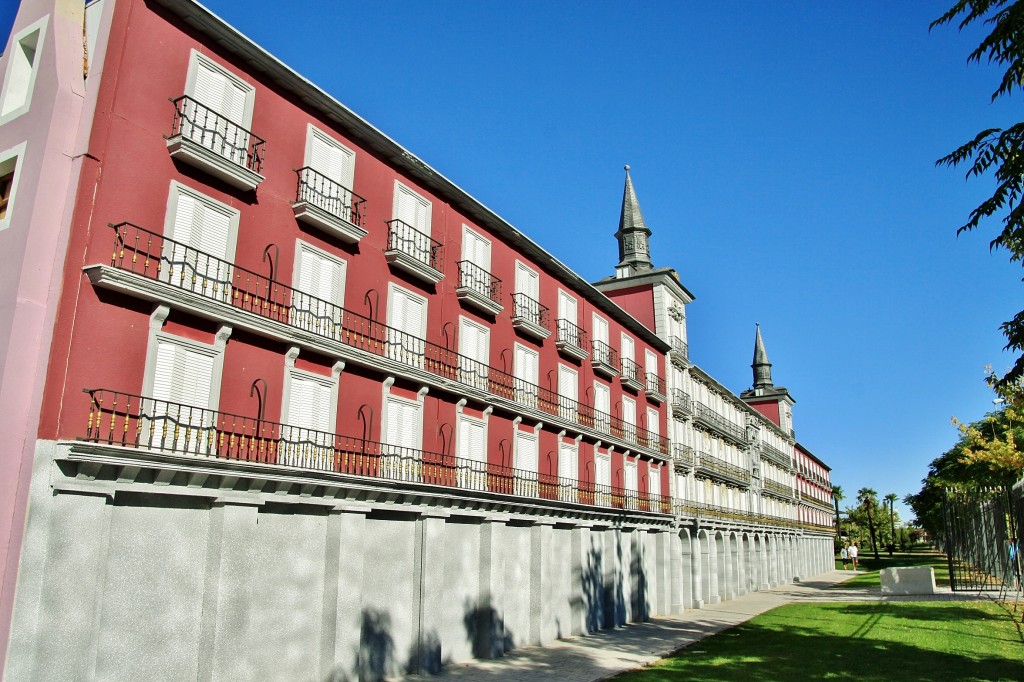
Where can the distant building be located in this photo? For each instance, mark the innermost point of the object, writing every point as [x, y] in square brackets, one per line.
[281, 401]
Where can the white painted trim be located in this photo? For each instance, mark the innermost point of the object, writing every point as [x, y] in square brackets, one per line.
[176, 189]
[190, 84]
[17, 153]
[41, 26]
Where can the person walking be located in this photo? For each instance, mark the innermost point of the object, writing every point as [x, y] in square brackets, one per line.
[853, 552]
[845, 556]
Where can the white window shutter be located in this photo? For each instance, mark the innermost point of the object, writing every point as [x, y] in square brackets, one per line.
[568, 461]
[600, 329]
[627, 350]
[652, 422]
[603, 470]
[629, 411]
[526, 452]
[568, 383]
[566, 307]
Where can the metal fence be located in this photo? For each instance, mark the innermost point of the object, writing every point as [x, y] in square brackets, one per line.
[982, 537]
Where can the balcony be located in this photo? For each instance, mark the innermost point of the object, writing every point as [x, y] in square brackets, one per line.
[682, 456]
[478, 288]
[206, 140]
[679, 353]
[776, 456]
[328, 206]
[185, 433]
[655, 388]
[682, 405]
[150, 267]
[414, 252]
[707, 417]
[632, 377]
[777, 489]
[605, 359]
[571, 341]
[719, 469]
[530, 317]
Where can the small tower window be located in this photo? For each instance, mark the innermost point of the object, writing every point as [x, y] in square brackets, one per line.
[6, 184]
[21, 71]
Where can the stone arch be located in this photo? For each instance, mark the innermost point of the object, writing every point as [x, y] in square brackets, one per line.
[705, 568]
[683, 583]
[720, 583]
[749, 578]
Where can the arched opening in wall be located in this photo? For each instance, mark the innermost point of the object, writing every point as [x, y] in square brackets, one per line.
[721, 566]
[738, 576]
[772, 575]
[756, 556]
[686, 569]
[704, 566]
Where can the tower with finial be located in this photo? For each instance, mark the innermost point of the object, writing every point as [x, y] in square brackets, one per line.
[654, 296]
[770, 400]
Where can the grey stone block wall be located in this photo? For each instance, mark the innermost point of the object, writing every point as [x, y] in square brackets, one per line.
[140, 570]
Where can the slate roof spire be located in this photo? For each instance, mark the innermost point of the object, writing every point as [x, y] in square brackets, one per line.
[634, 251]
[762, 368]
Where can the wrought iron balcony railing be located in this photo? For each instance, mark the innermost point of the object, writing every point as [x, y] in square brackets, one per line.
[604, 358]
[679, 352]
[530, 310]
[655, 386]
[719, 468]
[571, 340]
[682, 405]
[682, 455]
[632, 375]
[705, 415]
[477, 282]
[404, 239]
[777, 488]
[775, 455]
[208, 129]
[153, 256]
[133, 421]
[330, 196]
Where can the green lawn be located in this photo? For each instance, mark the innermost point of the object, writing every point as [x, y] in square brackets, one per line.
[862, 642]
[870, 567]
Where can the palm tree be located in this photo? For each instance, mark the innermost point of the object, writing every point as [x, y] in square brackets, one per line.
[891, 499]
[837, 495]
[868, 498]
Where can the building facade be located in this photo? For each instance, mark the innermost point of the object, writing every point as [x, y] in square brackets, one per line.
[288, 403]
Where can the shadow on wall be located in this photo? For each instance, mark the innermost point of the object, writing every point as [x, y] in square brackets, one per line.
[638, 577]
[485, 630]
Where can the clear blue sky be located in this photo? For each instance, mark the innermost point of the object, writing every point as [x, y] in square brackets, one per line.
[783, 156]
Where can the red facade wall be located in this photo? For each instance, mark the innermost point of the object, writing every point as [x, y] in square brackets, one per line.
[769, 410]
[638, 302]
[101, 337]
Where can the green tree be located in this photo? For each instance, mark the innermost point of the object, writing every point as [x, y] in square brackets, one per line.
[999, 151]
[837, 496]
[891, 499]
[868, 499]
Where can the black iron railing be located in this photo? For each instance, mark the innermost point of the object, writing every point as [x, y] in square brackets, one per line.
[775, 455]
[212, 130]
[713, 466]
[679, 346]
[681, 401]
[474, 277]
[603, 354]
[632, 372]
[655, 384]
[156, 257]
[777, 488]
[324, 193]
[530, 310]
[571, 334]
[134, 421]
[406, 239]
[705, 415]
[682, 454]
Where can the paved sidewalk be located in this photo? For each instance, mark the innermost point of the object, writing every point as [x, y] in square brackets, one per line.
[609, 652]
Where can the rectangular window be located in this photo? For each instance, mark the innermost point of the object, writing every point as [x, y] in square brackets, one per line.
[319, 282]
[653, 479]
[412, 209]
[218, 110]
[602, 407]
[603, 478]
[9, 171]
[526, 454]
[568, 466]
[407, 325]
[525, 370]
[329, 180]
[403, 436]
[650, 361]
[527, 281]
[629, 474]
[476, 249]
[203, 232]
[182, 379]
[629, 418]
[474, 351]
[626, 350]
[600, 329]
[566, 307]
[22, 69]
[653, 427]
[308, 437]
[472, 453]
[568, 393]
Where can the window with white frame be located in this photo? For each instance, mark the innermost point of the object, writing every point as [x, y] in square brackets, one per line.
[183, 379]
[403, 430]
[319, 282]
[629, 418]
[309, 407]
[568, 471]
[626, 347]
[472, 452]
[326, 180]
[603, 477]
[411, 208]
[602, 407]
[568, 328]
[527, 298]
[22, 69]
[525, 370]
[653, 479]
[651, 368]
[630, 477]
[525, 458]
[217, 110]
[407, 326]
[474, 346]
[653, 427]
[202, 247]
[10, 170]
[568, 392]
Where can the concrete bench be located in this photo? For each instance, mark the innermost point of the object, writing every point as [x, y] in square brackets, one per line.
[908, 580]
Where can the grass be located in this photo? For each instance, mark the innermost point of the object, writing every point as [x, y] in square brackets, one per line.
[871, 567]
[862, 642]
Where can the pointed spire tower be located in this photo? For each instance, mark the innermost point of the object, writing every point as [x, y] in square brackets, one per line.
[633, 235]
[770, 400]
[762, 368]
